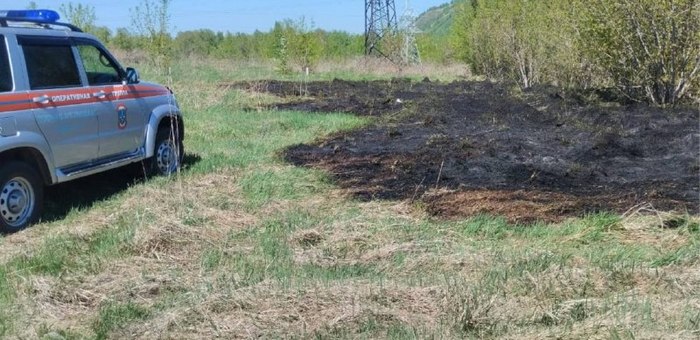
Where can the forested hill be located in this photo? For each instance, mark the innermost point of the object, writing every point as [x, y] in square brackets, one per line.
[436, 20]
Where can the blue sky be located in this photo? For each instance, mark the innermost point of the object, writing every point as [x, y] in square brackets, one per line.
[238, 15]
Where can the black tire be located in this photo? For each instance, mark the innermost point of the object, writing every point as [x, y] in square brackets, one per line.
[21, 196]
[167, 154]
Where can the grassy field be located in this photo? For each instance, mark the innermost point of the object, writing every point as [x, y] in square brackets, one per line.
[242, 245]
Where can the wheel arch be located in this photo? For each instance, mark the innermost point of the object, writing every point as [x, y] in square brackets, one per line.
[30, 156]
[163, 116]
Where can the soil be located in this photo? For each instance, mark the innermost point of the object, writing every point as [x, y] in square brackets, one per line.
[469, 148]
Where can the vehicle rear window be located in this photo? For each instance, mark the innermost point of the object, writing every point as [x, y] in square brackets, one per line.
[5, 72]
[50, 65]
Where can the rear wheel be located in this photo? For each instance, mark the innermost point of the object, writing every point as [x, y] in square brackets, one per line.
[168, 153]
[21, 196]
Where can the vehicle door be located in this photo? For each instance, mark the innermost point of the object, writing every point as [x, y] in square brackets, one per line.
[121, 124]
[63, 108]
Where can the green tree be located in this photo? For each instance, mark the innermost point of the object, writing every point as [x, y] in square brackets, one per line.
[151, 20]
[435, 48]
[295, 42]
[124, 40]
[83, 16]
[241, 46]
[79, 15]
[460, 35]
[339, 45]
[103, 33]
[200, 42]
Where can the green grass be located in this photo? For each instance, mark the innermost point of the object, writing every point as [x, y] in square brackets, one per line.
[238, 135]
[62, 254]
[262, 187]
[243, 244]
[116, 315]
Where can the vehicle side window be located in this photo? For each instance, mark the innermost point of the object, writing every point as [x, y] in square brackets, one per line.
[50, 66]
[99, 67]
[5, 72]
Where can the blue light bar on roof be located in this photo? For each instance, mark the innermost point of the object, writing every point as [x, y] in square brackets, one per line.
[42, 15]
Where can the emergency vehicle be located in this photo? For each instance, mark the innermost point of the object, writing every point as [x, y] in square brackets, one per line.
[68, 110]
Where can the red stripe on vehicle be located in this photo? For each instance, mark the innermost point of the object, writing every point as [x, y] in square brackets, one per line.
[58, 98]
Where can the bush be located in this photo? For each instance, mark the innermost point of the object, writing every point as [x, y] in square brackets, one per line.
[528, 42]
[200, 42]
[435, 48]
[649, 48]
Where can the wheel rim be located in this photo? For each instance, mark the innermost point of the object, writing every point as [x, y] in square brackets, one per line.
[17, 202]
[167, 157]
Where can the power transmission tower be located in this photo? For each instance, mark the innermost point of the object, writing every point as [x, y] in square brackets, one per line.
[410, 55]
[380, 22]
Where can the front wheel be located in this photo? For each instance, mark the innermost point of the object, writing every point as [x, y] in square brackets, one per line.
[168, 153]
[21, 196]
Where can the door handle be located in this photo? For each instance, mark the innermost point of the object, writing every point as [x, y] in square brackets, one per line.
[41, 99]
[100, 94]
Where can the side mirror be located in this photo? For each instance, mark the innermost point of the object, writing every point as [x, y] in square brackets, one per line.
[132, 76]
